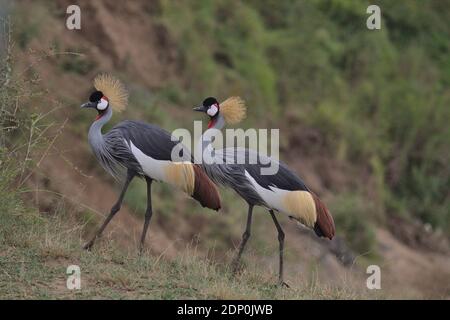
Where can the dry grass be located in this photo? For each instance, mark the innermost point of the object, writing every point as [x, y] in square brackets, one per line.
[36, 250]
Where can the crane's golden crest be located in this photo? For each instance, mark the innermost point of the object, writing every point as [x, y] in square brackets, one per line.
[113, 89]
[233, 110]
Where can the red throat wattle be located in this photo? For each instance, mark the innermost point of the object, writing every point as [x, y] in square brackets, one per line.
[211, 123]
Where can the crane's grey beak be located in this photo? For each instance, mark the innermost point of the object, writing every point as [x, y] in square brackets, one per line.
[200, 109]
[88, 105]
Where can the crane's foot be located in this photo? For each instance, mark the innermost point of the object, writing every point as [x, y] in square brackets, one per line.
[236, 267]
[234, 271]
[142, 249]
[282, 284]
[88, 246]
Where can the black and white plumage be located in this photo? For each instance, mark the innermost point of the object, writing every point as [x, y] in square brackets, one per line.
[135, 148]
[282, 192]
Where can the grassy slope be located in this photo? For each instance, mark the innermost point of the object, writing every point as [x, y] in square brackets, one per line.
[36, 250]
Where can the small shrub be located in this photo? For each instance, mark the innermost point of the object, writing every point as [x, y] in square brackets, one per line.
[77, 63]
[353, 220]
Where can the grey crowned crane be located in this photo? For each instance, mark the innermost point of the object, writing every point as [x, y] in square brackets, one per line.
[137, 149]
[282, 192]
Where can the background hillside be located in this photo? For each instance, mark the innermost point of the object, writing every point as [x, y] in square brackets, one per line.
[363, 118]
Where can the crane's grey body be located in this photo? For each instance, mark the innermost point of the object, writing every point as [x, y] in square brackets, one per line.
[113, 149]
[233, 174]
[113, 152]
[233, 169]
[135, 148]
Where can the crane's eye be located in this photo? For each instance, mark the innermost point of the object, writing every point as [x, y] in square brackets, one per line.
[102, 104]
[212, 111]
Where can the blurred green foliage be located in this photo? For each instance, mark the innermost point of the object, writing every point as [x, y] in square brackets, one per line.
[379, 98]
[350, 213]
[75, 63]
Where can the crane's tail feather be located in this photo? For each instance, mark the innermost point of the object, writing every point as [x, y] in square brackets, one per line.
[205, 191]
[324, 226]
[193, 180]
[309, 210]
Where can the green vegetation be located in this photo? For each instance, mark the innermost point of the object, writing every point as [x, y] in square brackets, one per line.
[347, 211]
[76, 63]
[21, 133]
[379, 98]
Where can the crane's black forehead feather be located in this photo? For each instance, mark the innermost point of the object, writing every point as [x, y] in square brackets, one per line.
[95, 96]
[209, 101]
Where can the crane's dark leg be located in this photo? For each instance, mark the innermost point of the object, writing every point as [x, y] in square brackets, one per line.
[245, 237]
[148, 213]
[281, 241]
[114, 209]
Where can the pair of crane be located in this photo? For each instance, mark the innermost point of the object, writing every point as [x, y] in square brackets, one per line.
[137, 149]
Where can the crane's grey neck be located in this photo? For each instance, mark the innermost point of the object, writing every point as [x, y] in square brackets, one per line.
[205, 141]
[95, 131]
[219, 123]
[104, 148]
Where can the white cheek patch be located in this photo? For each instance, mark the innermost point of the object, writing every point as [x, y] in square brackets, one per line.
[102, 104]
[212, 110]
